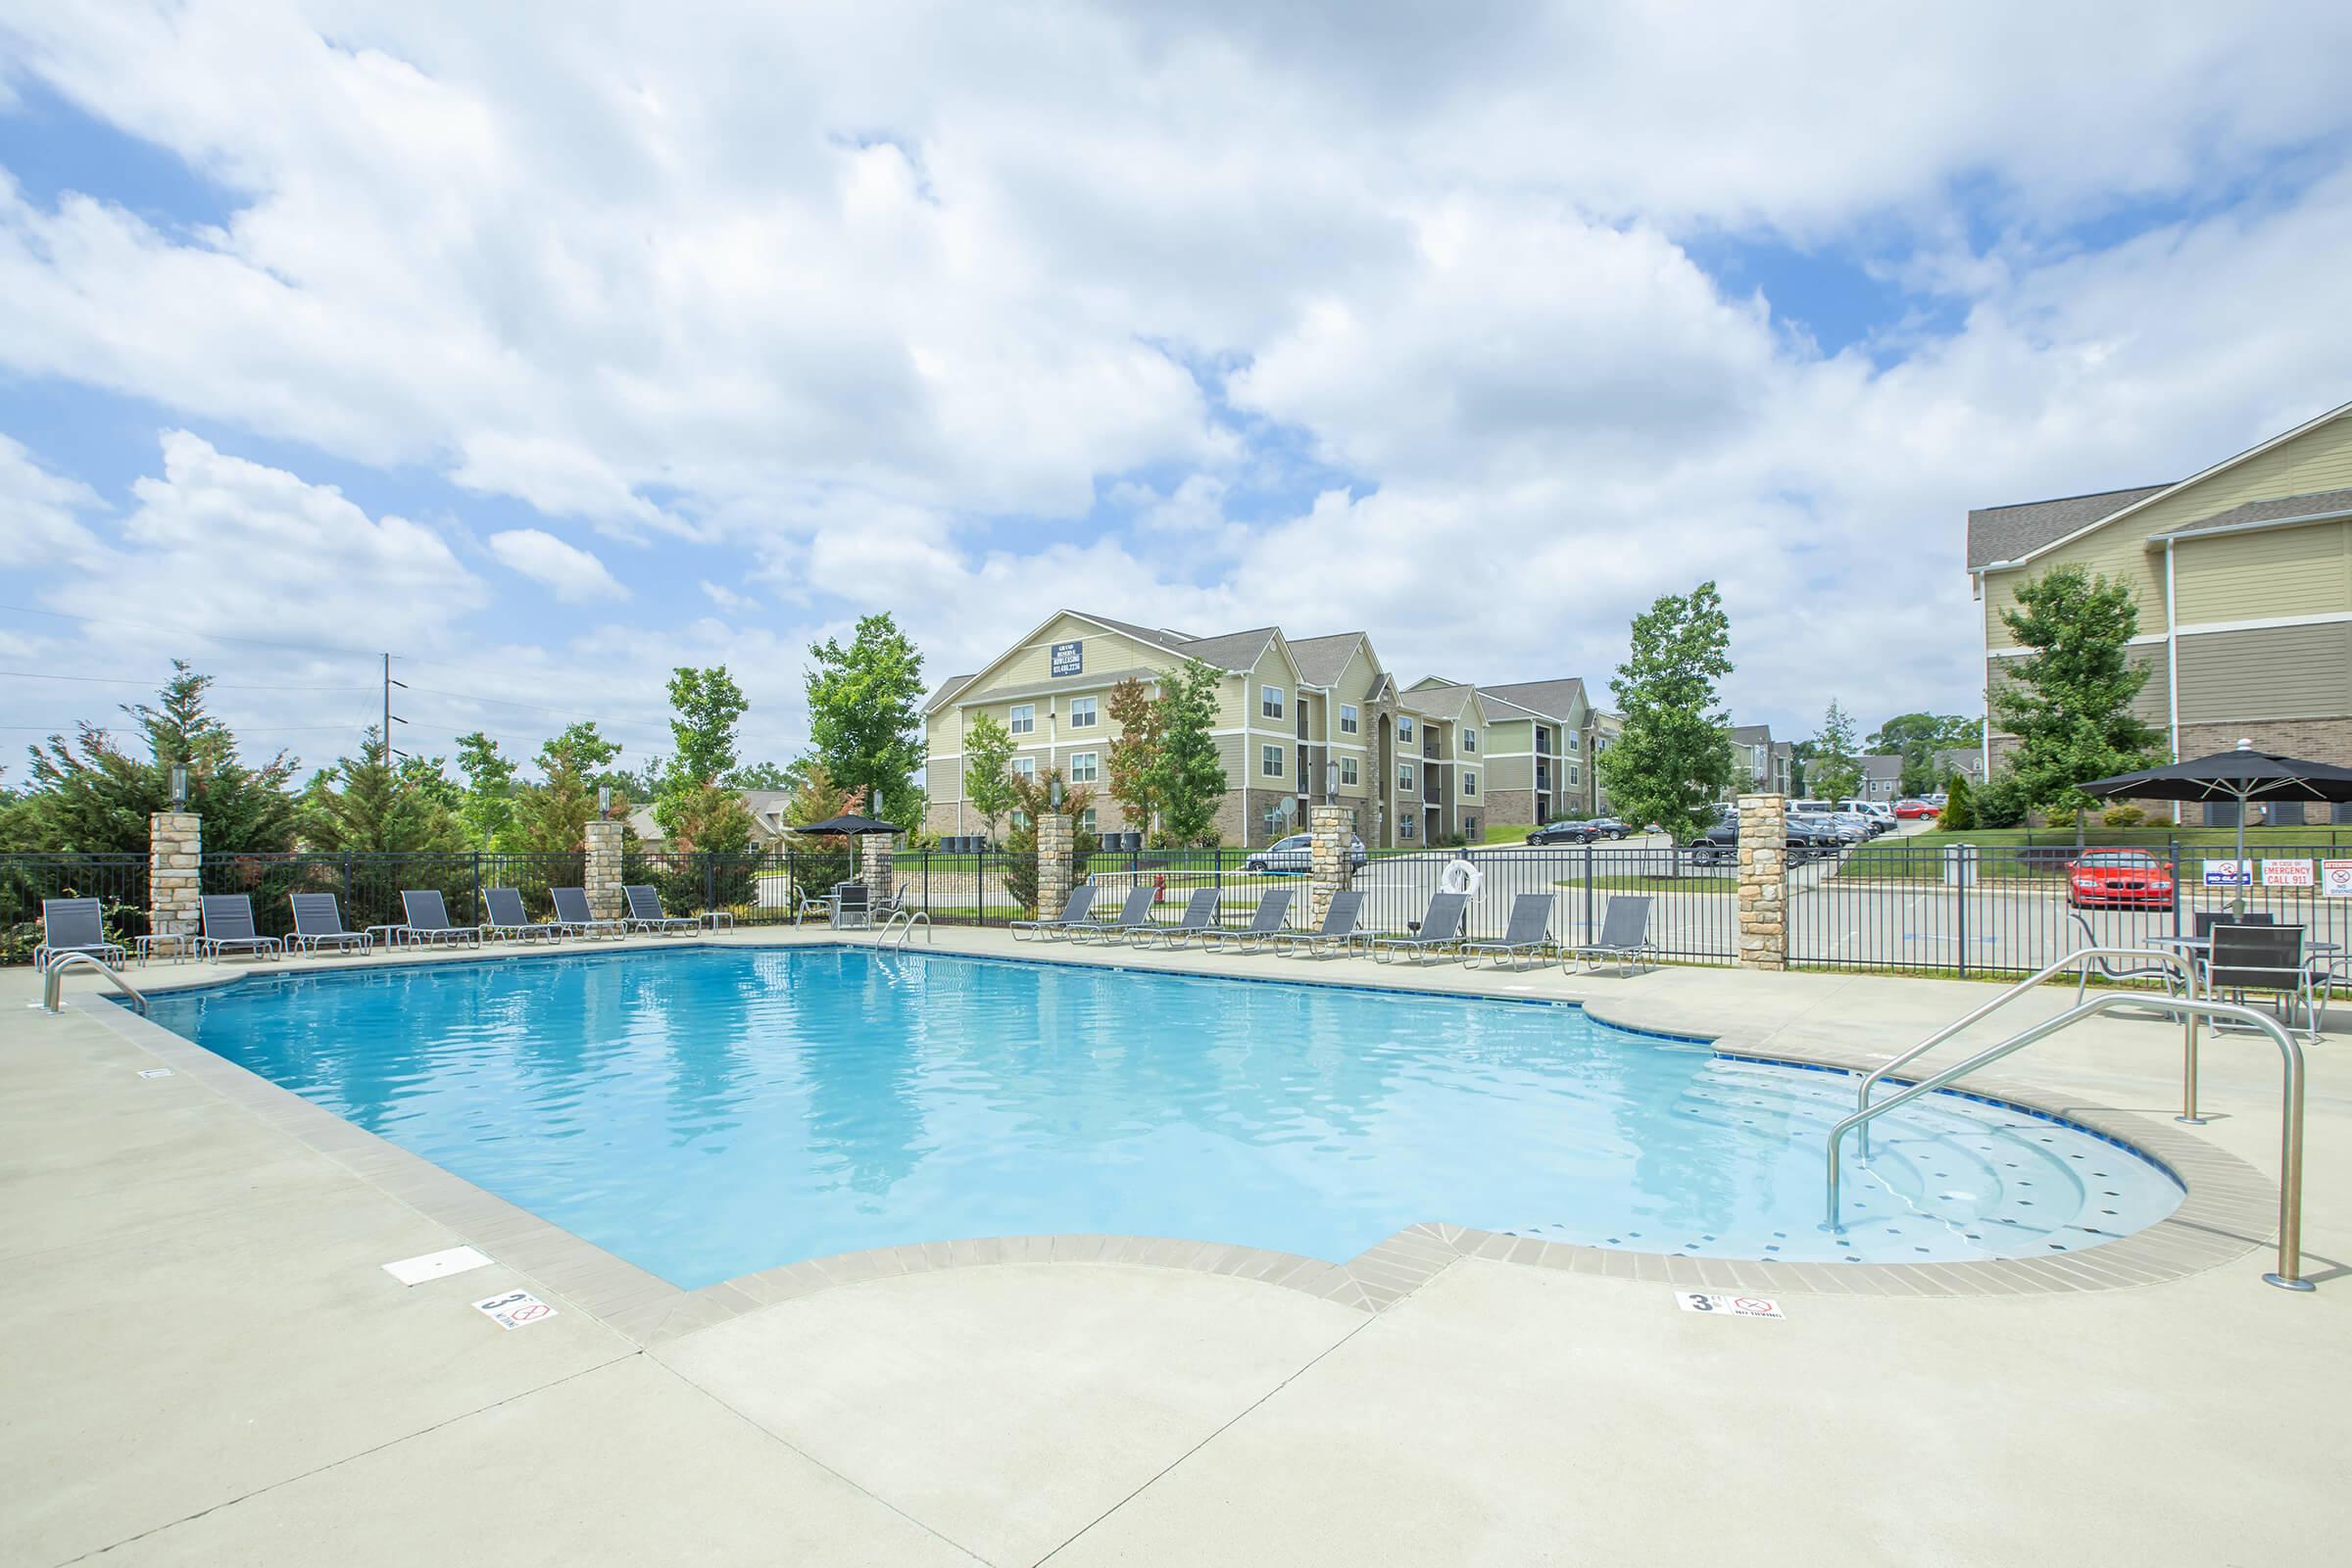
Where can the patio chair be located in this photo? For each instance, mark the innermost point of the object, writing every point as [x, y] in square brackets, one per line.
[228, 927]
[2269, 958]
[1624, 934]
[425, 917]
[1529, 930]
[1337, 934]
[575, 917]
[645, 911]
[1076, 913]
[75, 925]
[318, 923]
[852, 907]
[1440, 927]
[807, 904]
[509, 921]
[1200, 918]
[1134, 917]
[2121, 969]
[1273, 910]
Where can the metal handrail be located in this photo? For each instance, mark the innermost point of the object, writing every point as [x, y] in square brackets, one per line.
[2288, 1275]
[53, 983]
[905, 931]
[2080, 958]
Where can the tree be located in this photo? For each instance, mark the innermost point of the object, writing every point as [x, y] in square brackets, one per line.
[487, 811]
[1837, 766]
[1959, 812]
[366, 806]
[1188, 779]
[694, 808]
[92, 796]
[761, 776]
[1672, 758]
[1132, 771]
[2068, 701]
[1917, 738]
[988, 770]
[817, 862]
[1033, 798]
[865, 716]
[552, 816]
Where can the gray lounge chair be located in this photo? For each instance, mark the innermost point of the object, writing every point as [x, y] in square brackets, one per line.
[2269, 958]
[1440, 927]
[425, 919]
[1198, 919]
[575, 917]
[318, 923]
[852, 907]
[645, 911]
[228, 928]
[1624, 934]
[75, 925]
[1273, 910]
[1527, 931]
[1076, 915]
[1134, 917]
[509, 921]
[1338, 932]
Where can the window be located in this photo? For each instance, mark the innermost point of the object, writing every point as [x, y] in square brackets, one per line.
[1405, 778]
[1085, 766]
[1082, 713]
[1086, 821]
[1469, 781]
[1269, 760]
[1572, 778]
[1576, 742]
[1470, 826]
[1405, 828]
[1269, 701]
[1020, 818]
[1469, 739]
[1346, 719]
[1026, 767]
[1405, 728]
[1024, 720]
[1347, 772]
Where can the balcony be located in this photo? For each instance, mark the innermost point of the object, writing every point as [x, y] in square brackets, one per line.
[1429, 747]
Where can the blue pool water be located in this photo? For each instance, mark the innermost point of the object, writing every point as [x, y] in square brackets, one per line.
[707, 1114]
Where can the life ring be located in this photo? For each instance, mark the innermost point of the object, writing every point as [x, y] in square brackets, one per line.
[1462, 877]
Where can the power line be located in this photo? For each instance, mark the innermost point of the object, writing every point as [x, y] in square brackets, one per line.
[143, 680]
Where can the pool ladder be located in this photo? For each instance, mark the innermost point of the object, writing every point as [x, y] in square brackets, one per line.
[902, 927]
[2190, 1007]
[53, 982]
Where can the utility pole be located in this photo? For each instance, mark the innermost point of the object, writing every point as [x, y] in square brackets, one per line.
[390, 718]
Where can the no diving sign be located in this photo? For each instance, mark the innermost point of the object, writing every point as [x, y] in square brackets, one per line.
[1729, 1305]
[513, 1310]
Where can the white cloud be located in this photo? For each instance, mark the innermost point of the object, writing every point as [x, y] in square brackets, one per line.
[571, 573]
[38, 511]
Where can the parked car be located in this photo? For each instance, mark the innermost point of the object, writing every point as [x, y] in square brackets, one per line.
[2119, 878]
[1564, 832]
[1718, 845]
[1913, 811]
[1811, 832]
[1608, 827]
[1295, 856]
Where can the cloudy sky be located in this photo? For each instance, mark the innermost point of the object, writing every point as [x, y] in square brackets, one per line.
[548, 346]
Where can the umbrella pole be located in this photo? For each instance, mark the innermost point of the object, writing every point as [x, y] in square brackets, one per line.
[2245, 893]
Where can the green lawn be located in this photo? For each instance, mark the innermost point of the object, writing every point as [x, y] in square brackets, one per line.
[1506, 833]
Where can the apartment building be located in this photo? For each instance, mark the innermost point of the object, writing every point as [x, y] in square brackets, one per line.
[2243, 574]
[1298, 719]
[1764, 763]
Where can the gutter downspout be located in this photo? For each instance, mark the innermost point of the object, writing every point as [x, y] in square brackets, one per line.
[2172, 668]
[1985, 668]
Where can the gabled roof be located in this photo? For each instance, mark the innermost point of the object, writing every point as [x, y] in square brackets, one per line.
[1321, 660]
[1233, 649]
[1439, 702]
[1553, 698]
[1160, 636]
[2008, 533]
[1884, 765]
[2310, 507]
[1751, 734]
[947, 689]
[1485, 694]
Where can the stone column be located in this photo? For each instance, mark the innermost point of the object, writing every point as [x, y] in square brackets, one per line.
[873, 867]
[603, 871]
[174, 872]
[1057, 862]
[1763, 882]
[1329, 864]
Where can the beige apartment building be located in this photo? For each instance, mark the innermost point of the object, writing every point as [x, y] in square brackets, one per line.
[2243, 574]
[1298, 719]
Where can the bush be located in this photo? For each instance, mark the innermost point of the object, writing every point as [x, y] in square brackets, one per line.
[2123, 816]
[2001, 803]
[1959, 804]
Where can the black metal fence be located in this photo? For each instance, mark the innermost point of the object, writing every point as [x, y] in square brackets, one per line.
[119, 882]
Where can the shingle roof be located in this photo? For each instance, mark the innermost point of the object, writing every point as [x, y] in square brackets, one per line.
[1885, 764]
[947, 689]
[2004, 533]
[1553, 698]
[1438, 702]
[1751, 734]
[2310, 504]
[1159, 636]
[1322, 659]
[1233, 650]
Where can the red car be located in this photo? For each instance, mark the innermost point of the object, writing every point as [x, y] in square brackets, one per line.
[1913, 811]
[2124, 878]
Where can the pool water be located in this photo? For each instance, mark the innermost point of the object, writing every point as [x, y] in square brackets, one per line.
[708, 1112]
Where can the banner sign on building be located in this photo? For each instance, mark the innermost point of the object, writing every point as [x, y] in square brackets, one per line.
[2228, 873]
[1068, 658]
[2286, 873]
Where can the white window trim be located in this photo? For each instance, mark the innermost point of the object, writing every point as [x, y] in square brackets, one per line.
[1469, 782]
[1404, 779]
[1269, 695]
[1094, 767]
[1273, 754]
[1350, 719]
[1469, 739]
[1013, 724]
[1093, 713]
[1349, 774]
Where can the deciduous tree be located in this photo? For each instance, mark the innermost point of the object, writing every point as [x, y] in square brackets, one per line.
[988, 782]
[1836, 769]
[1131, 772]
[1188, 778]
[1672, 758]
[487, 811]
[2069, 701]
[866, 716]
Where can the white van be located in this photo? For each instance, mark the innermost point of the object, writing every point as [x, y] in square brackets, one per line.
[1879, 812]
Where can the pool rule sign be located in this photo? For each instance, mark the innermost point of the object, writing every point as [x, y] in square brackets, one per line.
[513, 1310]
[1727, 1305]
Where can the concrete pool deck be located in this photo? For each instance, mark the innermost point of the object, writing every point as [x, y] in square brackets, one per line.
[207, 1362]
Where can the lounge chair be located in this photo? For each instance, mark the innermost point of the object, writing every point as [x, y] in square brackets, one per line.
[510, 919]
[1273, 910]
[228, 928]
[425, 919]
[852, 907]
[75, 925]
[318, 923]
[644, 911]
[2269, 958]
[575, 917]
[2115, 970]
[1076, 914]
[1198, 919]
[1527, 931]
[1134, 917]
[1440, 927]
[1624, 934]
[1337, 933]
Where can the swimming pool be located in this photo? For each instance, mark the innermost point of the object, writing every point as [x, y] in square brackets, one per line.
[709, 1113]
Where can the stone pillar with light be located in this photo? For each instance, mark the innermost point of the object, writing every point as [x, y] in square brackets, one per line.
[874, 852]
[1763, 881]
[1331, 847]
[603, 871]
[176, 865]
[1056, 857]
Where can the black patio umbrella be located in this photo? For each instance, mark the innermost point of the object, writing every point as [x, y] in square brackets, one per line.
[2242, 775]
[847, 826]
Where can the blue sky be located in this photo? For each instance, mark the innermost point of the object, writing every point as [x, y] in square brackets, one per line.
[549, 370]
